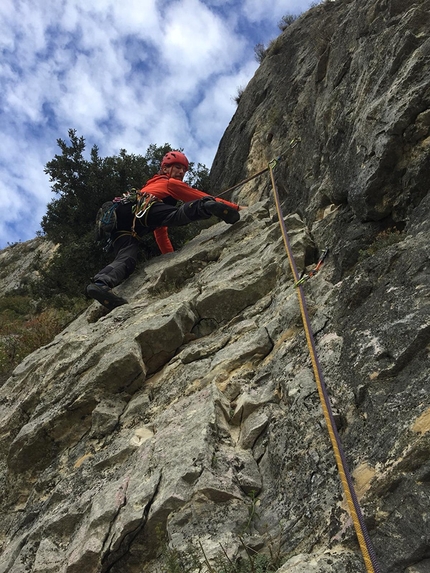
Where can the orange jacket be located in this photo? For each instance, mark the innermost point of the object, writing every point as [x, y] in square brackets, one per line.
[162, 186]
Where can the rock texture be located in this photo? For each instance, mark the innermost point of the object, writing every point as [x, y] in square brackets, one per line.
[349, 80]
[19, 264]
[190, 417]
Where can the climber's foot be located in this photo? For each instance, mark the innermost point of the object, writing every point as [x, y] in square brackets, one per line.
[105, 296]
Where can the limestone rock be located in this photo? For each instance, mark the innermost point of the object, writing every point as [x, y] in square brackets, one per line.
[187, 425]
[20, 263]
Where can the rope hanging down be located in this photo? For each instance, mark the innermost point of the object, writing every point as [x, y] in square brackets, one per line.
[344, 474]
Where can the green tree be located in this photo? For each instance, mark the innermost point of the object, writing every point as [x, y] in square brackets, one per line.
[81, 185]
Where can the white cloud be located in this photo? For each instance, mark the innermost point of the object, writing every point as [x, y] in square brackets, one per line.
[124, 75]
[195, 45]
[256, 10]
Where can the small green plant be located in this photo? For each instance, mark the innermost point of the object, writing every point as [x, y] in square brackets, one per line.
[252, 510]
[286, 21]
[274, 46]
[174, 561]
[384, 239]
[260, 52]
[194, 559]
[239, 95]
[251, 562]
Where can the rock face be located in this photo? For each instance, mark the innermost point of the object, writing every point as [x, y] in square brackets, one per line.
[350, 81]
[19, 264]
[187, 424]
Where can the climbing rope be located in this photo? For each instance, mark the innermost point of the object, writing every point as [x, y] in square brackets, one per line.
[293, 144]
[344, 474]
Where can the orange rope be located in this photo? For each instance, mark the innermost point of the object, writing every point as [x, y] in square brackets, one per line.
[345, 477]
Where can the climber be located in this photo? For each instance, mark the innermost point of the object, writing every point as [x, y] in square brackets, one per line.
[155, 210]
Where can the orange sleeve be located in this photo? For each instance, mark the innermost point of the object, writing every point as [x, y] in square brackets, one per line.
[161, 186]
[183, 192]
[162, 237]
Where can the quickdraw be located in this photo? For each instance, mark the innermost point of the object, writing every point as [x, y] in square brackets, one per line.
[305, 277]
[295, 141]
[144, 202]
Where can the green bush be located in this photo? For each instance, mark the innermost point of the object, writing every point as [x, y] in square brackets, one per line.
[23, 328]
[286, 21]
[15, 306]
[260, 52]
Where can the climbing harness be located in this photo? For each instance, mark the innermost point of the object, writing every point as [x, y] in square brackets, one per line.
[364, 541]
[305, 277]
[143, 204]
[293, 144]
[106, 220]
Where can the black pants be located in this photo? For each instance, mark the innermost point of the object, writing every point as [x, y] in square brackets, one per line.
[126, 247]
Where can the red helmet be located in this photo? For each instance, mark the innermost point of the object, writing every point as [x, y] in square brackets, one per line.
[175, 157]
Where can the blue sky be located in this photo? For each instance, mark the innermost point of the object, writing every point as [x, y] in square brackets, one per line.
[124, 75]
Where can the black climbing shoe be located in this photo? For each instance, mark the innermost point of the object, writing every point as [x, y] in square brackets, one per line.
[222, 211]
[105, 296]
